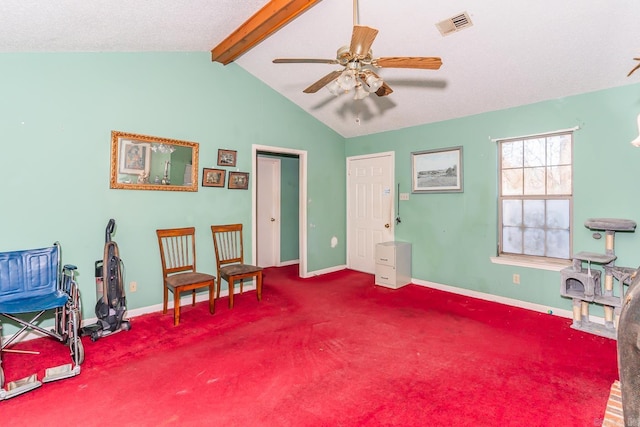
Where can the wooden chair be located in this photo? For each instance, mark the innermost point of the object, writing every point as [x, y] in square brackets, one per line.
[178, 255]
[227, 240]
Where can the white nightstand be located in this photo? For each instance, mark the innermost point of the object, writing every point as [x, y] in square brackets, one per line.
[393, 264]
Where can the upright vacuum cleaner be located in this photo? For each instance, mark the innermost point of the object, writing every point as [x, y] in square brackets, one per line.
[111, 305]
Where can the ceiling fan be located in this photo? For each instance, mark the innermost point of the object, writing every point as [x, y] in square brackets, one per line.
[358, 74]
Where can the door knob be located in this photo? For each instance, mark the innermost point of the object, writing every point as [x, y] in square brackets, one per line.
[273, 219]
[387, 226]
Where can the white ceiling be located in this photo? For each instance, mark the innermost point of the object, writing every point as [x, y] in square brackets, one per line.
[515, 53]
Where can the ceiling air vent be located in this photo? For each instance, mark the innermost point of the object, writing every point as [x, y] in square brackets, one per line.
[454, 24]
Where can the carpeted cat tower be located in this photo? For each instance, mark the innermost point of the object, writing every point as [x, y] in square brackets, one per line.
[585, 283]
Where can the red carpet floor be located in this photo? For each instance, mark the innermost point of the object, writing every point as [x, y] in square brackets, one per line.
[329, 351]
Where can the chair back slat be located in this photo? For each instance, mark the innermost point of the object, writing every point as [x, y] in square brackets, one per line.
[228, 243]
[177, 249]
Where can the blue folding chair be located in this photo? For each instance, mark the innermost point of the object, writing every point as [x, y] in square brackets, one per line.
[33, 281]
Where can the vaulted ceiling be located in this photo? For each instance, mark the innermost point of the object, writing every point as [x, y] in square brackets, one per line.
[515, 53]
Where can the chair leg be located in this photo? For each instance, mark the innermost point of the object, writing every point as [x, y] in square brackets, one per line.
[219, 280]
[259, 286]
[241, 283]
[176, 306]
[164, 301]
[193, 302]
[212, 300]
[230, 292]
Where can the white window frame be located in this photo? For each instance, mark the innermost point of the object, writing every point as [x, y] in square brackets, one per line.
[540, 262]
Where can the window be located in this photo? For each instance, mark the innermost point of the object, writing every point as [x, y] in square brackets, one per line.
[535, 196]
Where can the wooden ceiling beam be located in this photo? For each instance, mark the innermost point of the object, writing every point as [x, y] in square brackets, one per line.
[263, 23]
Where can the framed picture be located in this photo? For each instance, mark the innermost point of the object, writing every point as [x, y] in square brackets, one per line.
[227, 157]
[213, 177]
[437, 171]
[135, 157]
[238, 180]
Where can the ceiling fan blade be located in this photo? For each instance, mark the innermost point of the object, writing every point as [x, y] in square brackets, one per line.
[322, 82]
[635, 68]
[426, 63]
[384, 90]
[304, 61]
[361, 40]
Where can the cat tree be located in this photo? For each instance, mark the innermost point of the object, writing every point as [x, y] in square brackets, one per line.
[584, 285]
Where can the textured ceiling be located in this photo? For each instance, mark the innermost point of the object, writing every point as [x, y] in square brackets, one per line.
[515, 53]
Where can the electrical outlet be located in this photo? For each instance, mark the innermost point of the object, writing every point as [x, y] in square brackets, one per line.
[133, 286]
[516, 279]
[404, 196]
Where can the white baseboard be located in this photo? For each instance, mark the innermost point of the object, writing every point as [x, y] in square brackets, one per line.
[325, 271]
[287, 263]
[502, 300]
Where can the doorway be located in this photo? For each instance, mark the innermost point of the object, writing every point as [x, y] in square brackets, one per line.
[269, 220]
[370, 212]
[267, 194]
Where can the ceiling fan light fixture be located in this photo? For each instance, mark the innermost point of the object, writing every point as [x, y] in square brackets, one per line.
[163, 148]
[335, 88]
[373, 82]
[347, 80]
[360, 93]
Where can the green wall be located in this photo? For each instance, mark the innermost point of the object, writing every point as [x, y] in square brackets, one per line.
[455, 234]
[289, 210]
[56, 117]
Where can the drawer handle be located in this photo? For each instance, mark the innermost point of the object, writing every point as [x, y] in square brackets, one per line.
[385, 278]
[384, 259]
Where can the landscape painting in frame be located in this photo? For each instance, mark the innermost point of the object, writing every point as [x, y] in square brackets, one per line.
[437, 171]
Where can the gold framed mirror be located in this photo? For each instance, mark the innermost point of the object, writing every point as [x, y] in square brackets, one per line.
[142, 162]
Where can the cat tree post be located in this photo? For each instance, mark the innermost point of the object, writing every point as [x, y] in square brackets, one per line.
[609, 242]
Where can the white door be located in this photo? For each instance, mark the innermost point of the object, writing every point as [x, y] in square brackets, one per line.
[370, 196]
[268, 211]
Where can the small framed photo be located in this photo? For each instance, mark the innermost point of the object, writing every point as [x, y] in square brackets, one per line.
[213, 177]
[238, 180]
[437, 171]
[227, 157]
[135, 157]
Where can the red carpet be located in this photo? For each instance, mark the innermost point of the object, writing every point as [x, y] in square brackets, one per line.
[329, 351]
